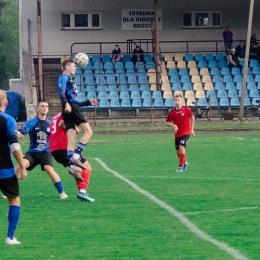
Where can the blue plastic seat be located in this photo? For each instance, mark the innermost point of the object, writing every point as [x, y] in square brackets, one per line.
[249, 78]
[216, 79]
[126, 58]
[78, 80]
[106, 58]
[253, 63]
[88, 66]
[91, 95]
[129, 65]
[118, 65]
[111, 80]
[95, 58]
[90, 88]
[148, 57]
[133, 88]
[222, 64]
[149, 65]
[156, 94]
[227, 78]
[237, 78]
[221, 94]
[111, 88]
[145, 94]
[218, 86]
[199, 57]
[169, 103]
[176, 86]
[232, 93]
[147, 103]
[121, 79]
[239, 85]
[225, 71]
[87, 72]
[100, 80]
[103, 103]
[214, 72]
[187, 86]
[257, 79]
[113, 95]
[223, 102]
[98, 65]
[251, 86]
[114, 103]
[183, 72]
[212, 64]
[123, 95]
[254, 103]
[158, 103]
[144, 87]
[123, 88]
[202, 64]
[256, 71]
[209, 57]
[235, 71]
[188, 57]
[130, 72]
[108, 65]
[101, 95]
[253, 93]
[214, 102]
[89, 80]
[132, 80]
[240, 93]
[119, 72]
[247, 102]
[174, 79]
[172, 72]
[234, 102]
[101, 88]
[142, 79]
[125, 103]
[136, 103]
[211, 93]
[230, 86]
[202, 102]
[139, 65]
[185, 79]
[219, 57]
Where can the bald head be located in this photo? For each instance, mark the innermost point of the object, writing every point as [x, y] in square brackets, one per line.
[3, 99]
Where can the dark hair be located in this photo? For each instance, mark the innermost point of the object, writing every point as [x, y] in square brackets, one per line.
[66, 62]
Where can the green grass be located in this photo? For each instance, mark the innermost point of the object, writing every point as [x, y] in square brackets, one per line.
[124, 224]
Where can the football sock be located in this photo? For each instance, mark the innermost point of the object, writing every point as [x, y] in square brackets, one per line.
[85, 175]
[59, 187]
[13, 218]
[80, 148]
[182, 159]
[69, 154]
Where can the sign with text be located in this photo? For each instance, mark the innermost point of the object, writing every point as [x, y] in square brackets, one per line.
[139, 19]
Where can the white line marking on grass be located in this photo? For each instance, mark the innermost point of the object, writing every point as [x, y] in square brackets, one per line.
[192, 227]
[196, 178]
[219, 210]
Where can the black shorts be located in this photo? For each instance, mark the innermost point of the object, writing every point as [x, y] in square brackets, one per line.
[38, 159]
[61, 157]
[10, 187]
[183, 140]
[75, 117]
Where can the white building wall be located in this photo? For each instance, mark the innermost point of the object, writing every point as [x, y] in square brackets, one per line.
[58, 42]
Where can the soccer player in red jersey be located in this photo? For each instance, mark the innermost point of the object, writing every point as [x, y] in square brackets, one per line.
[182, 120]
[58, 148]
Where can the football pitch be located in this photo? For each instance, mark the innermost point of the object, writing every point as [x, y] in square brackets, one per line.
[143, 208]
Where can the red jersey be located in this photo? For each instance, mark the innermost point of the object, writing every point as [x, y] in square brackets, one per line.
[58, 136]
[181, 118]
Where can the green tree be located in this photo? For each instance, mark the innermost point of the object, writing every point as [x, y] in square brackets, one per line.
[9, 42]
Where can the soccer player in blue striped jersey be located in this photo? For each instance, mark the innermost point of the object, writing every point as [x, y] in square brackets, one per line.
[8, 180]
[39, 153]
[71, 113]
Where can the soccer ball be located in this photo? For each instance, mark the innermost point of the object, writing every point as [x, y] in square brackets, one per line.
[81, 59]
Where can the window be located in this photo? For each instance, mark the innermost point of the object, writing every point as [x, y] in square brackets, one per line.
[81, 21]
[202, 19]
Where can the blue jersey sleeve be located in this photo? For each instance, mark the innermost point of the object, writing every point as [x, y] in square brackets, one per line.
[62, 87]
[11, 130]
[25, 129]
